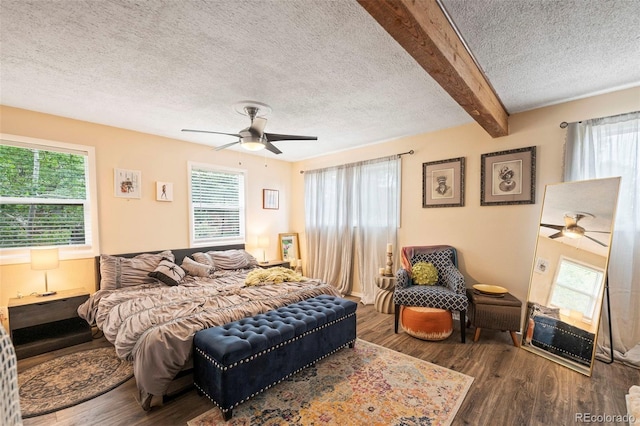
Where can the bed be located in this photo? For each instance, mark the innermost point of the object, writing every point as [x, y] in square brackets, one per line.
[151, 320]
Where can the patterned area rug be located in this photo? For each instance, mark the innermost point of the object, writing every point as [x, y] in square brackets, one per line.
[368, 385]
[71, 379]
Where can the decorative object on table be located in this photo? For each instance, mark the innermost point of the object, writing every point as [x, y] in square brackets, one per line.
[164, 191]
[489, 289]
[364, 385]
[127, 183]
[270, 199]
[443, 183]
[45, 259]
[383, 300]
[495, 313]
[426, 323]
[424, 273]
[71, 379]
[289, 246]
[508, 177]
[388, 270]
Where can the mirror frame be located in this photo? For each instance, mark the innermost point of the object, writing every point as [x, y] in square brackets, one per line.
[583, 191]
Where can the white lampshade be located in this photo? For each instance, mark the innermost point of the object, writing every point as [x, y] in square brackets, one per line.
[43, 259]
[263, 241]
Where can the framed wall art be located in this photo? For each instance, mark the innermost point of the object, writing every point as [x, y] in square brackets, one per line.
[127, 183]
[164, 191]
[289, 246]
[443, 183]
[508, 177]
[270, 199]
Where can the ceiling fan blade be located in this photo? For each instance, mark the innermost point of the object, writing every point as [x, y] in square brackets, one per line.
[271, 147]
[274, 137]
[258, 125]
[208, 131]
[599, 232]
[556, 235]
[556, 227]
[226, 146]
[596, 241]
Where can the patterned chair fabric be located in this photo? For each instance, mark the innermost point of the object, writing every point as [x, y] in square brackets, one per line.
[9, 391]
[448, 293]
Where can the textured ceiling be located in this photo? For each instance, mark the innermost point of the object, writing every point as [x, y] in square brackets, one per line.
[325, 67]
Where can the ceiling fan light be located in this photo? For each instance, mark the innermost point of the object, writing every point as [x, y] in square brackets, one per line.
[252, 143]
[572, 233]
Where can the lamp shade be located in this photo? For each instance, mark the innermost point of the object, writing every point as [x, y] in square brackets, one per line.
[44, 259]
[263, 241]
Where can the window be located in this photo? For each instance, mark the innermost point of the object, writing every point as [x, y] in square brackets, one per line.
[217, 205]
[577, 287]
[47, 197]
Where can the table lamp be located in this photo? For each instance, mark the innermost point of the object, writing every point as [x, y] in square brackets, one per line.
[45, 259]
[263, 243]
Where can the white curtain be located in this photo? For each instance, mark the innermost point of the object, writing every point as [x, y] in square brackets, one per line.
[351, 213]
[608, 147]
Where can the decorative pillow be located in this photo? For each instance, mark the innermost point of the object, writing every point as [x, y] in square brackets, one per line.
[196, 269]
[203, 258]
[424, 273]
[168, 272]
[117, 272]
[232, 259]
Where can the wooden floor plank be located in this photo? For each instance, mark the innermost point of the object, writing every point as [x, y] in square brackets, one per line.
[511, 386]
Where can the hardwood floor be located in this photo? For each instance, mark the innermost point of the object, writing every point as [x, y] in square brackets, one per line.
[511, 386]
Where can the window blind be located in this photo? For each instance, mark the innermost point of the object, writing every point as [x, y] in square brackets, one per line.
[43, 197]
[217, 204]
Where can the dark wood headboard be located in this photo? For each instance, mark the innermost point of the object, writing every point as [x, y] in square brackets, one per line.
[178, 253]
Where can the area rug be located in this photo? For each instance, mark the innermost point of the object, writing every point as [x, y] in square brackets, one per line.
[368, 385]
[70, 379]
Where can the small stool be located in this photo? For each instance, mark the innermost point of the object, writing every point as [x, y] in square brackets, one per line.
[495, 313]
[426, 323]
[384, 297]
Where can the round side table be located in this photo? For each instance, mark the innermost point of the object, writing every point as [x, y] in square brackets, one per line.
[384, 296]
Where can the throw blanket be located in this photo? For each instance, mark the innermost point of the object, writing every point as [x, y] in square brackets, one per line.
[153, 324]
[272, 276]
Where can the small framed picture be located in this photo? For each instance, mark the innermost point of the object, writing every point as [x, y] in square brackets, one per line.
[164, 191]
[508, 177]
[443, 183]
[127, 183]
[270, 199]
[541, 265]
[289, 246]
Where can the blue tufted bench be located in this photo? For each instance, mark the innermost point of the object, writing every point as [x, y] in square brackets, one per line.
[238, 360]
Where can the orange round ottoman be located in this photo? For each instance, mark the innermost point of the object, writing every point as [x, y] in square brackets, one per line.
[426, 323]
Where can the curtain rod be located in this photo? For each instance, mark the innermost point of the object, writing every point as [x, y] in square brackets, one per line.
[564, 124]
[410, 152]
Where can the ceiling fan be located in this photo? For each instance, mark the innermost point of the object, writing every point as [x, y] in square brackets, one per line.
[571, 228]
[254, 138]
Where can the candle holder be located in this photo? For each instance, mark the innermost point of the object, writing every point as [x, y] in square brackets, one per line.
[388, 272]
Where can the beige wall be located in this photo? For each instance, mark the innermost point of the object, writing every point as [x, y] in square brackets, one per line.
[144, 224]
[495, 243]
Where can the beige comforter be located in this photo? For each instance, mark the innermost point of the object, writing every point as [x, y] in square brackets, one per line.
[153, 325]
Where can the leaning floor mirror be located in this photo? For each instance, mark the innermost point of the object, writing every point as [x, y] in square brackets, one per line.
[569, 272]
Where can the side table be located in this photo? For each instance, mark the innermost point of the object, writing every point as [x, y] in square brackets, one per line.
[495, 313]
[384, 296]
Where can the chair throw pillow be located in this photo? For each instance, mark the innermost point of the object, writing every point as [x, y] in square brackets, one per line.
[424, 273]
[168, 272]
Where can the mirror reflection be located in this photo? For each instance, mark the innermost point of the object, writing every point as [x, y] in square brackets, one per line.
[569, 271]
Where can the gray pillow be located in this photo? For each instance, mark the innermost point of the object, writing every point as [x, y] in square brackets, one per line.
[196, 269]
[233, 259]
[117, 272]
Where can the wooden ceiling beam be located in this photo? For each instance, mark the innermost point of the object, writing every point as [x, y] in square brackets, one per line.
[423, 30]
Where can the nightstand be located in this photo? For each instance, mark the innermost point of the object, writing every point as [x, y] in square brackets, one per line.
[274, 263]
[43, 324]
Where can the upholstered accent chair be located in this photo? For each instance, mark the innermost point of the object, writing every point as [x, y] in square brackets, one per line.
[448, 293]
